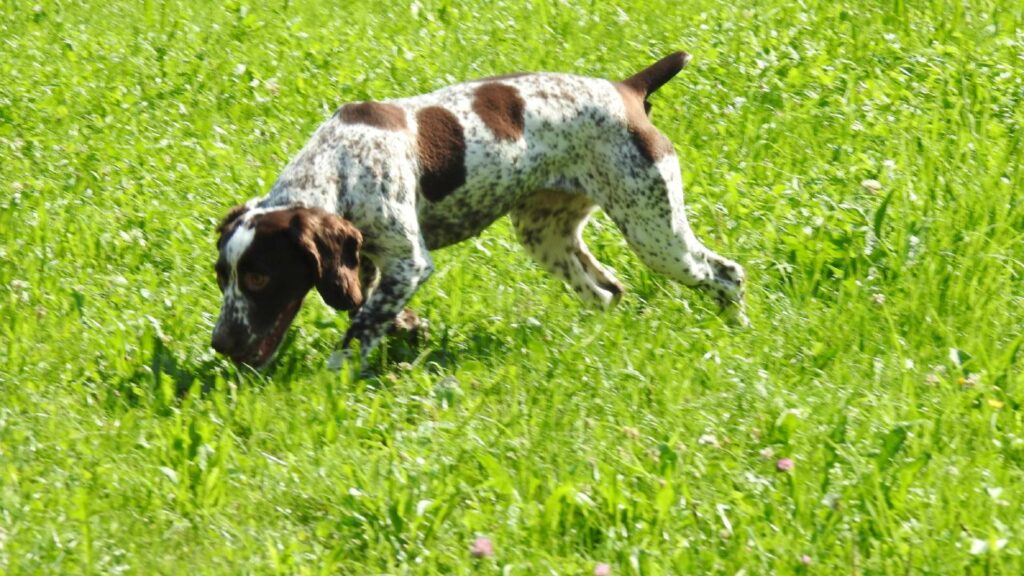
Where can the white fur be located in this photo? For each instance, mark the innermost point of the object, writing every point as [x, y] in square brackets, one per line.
[234, 301]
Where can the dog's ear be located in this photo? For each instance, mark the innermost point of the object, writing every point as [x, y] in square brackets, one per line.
[228, 223]
[332, 245]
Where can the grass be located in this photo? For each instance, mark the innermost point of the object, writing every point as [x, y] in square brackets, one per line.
[883, 359]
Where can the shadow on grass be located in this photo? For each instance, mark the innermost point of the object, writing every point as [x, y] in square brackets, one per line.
[168, 377]
[441, 352]
[445, 349]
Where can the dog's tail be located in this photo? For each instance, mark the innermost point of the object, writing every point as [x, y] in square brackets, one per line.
[656, 75]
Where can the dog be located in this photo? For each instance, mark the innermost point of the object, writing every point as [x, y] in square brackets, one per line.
[380, 184]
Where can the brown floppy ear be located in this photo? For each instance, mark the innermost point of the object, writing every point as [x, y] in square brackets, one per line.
[229, 222]
[332, 244]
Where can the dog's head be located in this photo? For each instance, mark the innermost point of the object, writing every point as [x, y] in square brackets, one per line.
[268, 261]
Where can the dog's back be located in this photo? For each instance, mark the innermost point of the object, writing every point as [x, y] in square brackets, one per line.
[475, 148]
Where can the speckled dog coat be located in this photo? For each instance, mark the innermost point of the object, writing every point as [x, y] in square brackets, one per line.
[396, 179]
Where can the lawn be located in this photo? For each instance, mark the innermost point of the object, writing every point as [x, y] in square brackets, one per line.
[863, 160]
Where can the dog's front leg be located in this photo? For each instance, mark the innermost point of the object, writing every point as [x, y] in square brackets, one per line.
[402, 271]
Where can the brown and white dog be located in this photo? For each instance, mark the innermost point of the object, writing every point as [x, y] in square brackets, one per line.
[380, 184]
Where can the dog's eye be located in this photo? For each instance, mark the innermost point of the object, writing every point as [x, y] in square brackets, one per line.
[254, 281]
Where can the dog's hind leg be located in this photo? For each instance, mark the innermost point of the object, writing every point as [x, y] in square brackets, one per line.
[549, 225]
[647, 206]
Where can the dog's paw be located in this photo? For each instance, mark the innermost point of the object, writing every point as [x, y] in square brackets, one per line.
[407, 337]
[408, 322]
[736, 315]
[338, 359]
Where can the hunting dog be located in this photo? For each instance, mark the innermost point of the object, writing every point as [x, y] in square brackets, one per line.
[380, 184]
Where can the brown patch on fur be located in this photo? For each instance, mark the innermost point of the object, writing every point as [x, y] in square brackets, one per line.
[331, 245]
[651, 143]
[228, 223]
[441, 149]
[646, 81]
[376, 114]
[501, 108]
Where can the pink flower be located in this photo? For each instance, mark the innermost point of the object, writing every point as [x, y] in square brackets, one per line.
[482, 548]
[784, 465]
[602, 569]
[806, 560]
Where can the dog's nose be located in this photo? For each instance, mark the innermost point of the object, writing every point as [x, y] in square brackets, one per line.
[222, 341]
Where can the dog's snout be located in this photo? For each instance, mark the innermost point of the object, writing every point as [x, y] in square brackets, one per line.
[222, 341]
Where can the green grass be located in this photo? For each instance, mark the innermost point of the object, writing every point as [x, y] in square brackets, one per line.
[884, 356]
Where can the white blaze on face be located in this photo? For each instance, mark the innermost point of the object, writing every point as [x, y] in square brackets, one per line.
[235, 304]
[239, 242]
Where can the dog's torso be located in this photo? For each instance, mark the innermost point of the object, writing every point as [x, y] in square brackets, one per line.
[518, 134]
